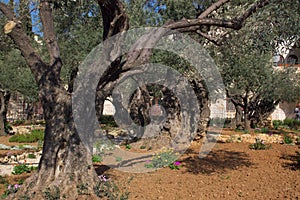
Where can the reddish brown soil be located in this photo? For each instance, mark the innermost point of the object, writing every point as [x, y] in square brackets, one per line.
[230, 171]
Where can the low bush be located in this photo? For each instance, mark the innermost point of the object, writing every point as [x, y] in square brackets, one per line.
[34, 136]
[20, 169]
[164, 158]
[287, 139]
[96, 158]
[277, 124]
[31, 156]
[292, 123]
[259, 145]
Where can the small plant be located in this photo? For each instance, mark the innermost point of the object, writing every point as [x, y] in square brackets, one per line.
[257, 130]
[118, 159]
[109, 190]
[10, 190]
[277, 124]
[287, 139]
[21, 181]
[259, 145]
[128, 146]
[18, 122]
[143, 147]
[291, 123]
[162, 159]
[175, 165]
[31, 156]
[96, 158]
[20, 169]
[264, 130]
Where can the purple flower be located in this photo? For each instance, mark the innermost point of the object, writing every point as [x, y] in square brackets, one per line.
[270, 133]
[148, 161]
[16, 186]
[177, 163]
[9, 187]
[103, 178]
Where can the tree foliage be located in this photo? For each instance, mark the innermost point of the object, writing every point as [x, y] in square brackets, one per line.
[245, 60]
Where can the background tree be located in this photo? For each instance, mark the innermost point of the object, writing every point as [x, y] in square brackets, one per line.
[245, 59]
[66, 162]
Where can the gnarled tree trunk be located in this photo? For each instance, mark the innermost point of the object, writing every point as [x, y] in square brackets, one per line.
[67, 164]
[4, 99]
[2, 107]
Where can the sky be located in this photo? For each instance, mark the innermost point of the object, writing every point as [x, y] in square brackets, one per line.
[36, 25]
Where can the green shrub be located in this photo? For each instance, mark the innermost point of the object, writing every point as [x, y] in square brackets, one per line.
[7, 127]
[291, 123]
[107, 189]
[259, 145]
[277, 124]
[264, 130]
[34, 136]
[31, 156]
[287, 139]
[20, 169]
[162, 159]
[96, 158]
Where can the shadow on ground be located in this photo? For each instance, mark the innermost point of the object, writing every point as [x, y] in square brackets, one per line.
[101, 169]
[217, 161]
[292, 161]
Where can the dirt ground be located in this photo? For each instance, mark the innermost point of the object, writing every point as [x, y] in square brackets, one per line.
[230, 171]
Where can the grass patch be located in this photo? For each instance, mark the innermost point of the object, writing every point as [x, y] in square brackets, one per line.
[34, 136]
[96, 159]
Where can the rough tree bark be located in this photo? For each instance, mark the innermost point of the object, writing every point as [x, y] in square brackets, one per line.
[65, 162]
[115, 21]
[4, 99]
[2, 107]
